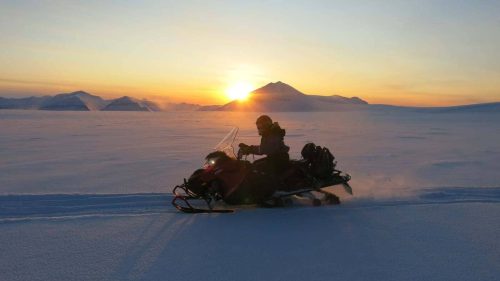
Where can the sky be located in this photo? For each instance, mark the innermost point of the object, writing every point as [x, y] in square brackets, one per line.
[417, 53]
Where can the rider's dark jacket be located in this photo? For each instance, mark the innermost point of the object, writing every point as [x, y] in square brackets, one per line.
[273, 146]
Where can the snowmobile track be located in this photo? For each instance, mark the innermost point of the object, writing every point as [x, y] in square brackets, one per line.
[59, 206]
[19, 208]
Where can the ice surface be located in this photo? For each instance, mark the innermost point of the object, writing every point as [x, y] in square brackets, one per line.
[84, 196]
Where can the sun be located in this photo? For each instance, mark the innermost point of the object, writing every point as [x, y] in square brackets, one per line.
[239, 91]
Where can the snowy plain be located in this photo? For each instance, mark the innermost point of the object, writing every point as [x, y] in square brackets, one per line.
[85, 196]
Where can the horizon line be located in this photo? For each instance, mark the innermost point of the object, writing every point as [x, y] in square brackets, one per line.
[202, 105]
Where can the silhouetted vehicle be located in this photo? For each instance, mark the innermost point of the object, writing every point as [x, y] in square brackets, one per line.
[228, 177]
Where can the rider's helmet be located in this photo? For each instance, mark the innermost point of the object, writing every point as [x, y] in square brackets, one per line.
[264, 123]
[309, 152]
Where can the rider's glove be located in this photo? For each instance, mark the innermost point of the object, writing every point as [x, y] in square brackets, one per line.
[245, 149]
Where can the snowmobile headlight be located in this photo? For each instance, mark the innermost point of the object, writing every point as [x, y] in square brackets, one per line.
[211, 162]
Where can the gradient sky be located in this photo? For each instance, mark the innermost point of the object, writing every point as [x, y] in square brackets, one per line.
[394, 52]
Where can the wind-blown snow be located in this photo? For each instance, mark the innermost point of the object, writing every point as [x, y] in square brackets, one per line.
[85, 196]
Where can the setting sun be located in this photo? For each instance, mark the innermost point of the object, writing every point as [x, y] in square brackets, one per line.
[239, 91]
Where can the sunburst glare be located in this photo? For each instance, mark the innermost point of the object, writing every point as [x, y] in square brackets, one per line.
[239, 91]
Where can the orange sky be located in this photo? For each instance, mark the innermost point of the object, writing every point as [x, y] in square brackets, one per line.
[405, 53]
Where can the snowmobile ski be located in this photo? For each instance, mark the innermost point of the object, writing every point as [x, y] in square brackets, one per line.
[181, 201]
[192, 210]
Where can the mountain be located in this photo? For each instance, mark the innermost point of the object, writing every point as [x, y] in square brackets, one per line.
[339, 99]
[280, 96]
[23, 103]
[78, 101]
[209, 108]
[492, 107]
[181, 106]
[272, 97]
[131, 104]
[481, 107]
[278, 89]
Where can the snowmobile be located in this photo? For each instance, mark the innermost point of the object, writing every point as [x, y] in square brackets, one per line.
[229, 177]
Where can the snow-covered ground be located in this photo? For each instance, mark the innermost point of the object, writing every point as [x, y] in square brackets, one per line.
[84, 196]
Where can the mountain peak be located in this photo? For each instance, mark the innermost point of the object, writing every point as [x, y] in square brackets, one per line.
[126, 98]
[278, 88]
[79, 93]
[78, 100]
[127, 103]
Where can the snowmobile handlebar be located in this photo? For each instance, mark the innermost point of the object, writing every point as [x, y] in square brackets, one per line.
[240, 154]
[243, 150]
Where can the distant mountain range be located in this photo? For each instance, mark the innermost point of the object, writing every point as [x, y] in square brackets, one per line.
[468, 108]
[273, 97]
[78, 101]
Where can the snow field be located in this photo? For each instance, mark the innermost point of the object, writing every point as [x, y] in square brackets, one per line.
[85, 196]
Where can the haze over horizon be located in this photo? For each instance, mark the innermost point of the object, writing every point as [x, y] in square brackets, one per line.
[392, 52]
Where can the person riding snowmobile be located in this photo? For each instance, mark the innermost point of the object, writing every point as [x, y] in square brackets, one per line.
[271, 144]
[265, 182]
[234, 180]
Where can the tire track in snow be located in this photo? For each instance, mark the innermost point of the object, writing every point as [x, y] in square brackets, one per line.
[65, 206]
[433, 196]
[17, 208]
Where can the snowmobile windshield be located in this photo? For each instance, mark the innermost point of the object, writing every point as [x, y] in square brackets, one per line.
[226, 144]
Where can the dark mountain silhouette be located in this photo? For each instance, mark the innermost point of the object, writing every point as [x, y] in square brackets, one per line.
[209, 108]
[130, 104]
[280, 96]
[78, 101]
[272, 97]
[492, 107]
[23, 103]
[181, 106]
[481, 107]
